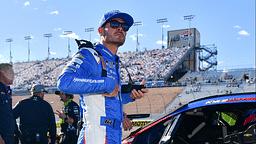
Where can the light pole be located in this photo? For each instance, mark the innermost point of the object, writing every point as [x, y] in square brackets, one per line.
[162, 21]
[10, 41]
[137, 44]
[48, 36]
[28, 38]
[68, 33]
[189, 18]
[89, 30]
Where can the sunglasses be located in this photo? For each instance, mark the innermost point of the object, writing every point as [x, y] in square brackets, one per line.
[115, 24]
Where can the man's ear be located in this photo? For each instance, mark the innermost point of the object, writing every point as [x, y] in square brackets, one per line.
[100, 30]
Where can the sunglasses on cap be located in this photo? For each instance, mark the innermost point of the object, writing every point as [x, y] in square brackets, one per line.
[115, 24]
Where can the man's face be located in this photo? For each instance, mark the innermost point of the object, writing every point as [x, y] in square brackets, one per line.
[8, 76]
[63, 97]
[114, 35]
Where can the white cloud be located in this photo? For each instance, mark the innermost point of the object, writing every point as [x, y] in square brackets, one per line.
[160, 42]
[72, 35]
[220, 62]
[243, 32]
[0, 55]
[237, 26]
[54, 12]
[166, 26]
[26, 3]
[134, 36]
[238, 38]
[57, 29]
[142, 35]
[35, 8]
[53, 53]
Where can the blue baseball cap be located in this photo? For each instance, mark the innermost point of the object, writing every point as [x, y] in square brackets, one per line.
[116, 14]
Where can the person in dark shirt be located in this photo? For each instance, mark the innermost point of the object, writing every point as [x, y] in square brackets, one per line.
[68, 118]
[7, 123]
[36, 118]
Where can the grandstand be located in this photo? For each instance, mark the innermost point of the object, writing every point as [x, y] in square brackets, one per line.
[43, 72]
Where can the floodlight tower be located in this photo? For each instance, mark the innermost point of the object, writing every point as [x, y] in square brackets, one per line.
[137, 44]
[28, 39]
[189, 18]
[68, 33]
[10, 41]
[89, 30]
[162, 21]
[48, 36]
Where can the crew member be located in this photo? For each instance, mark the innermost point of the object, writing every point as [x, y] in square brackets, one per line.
[68, 118]
[7, 123]
[36, 118]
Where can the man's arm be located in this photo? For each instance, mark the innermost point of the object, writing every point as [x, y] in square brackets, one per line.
[134, 94]
[52, 125]
[81, 76]
[16, 110]
[75, 114]
[68, 118]
[127, 125]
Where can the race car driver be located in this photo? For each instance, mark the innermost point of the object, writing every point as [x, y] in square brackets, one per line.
[100, 97]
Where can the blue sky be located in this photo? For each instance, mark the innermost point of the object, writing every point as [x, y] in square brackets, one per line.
[229, 24]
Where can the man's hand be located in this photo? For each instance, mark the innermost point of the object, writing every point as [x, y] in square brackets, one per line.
[114, 93]
[60, 114]
[1, 140]
[63, 116]
[127, 125]
[138, 94]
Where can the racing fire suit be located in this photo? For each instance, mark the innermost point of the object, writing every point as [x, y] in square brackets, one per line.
[102, 116]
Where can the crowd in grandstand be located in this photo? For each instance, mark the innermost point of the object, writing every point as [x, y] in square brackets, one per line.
[141, 65]
[149, 65]
[153, 64]
[34, 72]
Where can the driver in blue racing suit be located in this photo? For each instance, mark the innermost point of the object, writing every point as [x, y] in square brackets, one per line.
[100, 97]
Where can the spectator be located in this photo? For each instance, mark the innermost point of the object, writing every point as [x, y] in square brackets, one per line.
[7, 123]
[36, 118]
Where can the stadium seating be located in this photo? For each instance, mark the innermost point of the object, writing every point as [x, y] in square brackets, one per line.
[150, 65]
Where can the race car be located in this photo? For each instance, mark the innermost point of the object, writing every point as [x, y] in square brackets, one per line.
[211, 120]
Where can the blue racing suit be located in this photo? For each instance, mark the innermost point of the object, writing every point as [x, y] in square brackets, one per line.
[102, 116]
